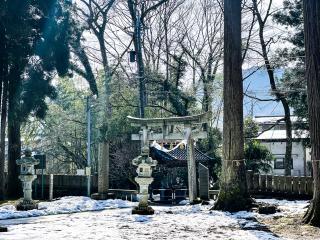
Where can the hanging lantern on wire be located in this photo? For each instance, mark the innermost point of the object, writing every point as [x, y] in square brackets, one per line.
[132, 55]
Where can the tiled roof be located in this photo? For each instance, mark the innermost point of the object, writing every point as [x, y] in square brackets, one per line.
[176, 155]
[281, 134]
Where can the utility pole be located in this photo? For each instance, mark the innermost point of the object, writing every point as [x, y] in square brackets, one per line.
[88, 169]
[139, 67]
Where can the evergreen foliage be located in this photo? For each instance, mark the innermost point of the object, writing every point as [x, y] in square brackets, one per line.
[258, 157]
[36, 48]
[293, 80]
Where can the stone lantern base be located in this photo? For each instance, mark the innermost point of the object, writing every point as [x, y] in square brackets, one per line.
[143, 208]
[143, 211]
[25, 205]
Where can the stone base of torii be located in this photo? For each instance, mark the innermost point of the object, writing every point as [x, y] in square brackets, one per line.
[146, 163]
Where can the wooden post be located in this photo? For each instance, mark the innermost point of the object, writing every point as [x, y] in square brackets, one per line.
[263, 183]
[303, 186]
[203, 182]
[51, 187]
[276, 183]
[282, 181]
[288, 184]
[255, 183]
[295, 185]
[250, 180]
[269, 183]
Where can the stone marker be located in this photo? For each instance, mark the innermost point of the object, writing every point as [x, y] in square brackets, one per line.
[103, 174]
[203, 182]
[27, 176]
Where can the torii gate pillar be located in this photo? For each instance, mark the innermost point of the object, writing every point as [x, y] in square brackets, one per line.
[192, 173]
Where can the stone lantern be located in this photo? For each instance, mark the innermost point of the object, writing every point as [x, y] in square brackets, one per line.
[144, 179]
[27, 175]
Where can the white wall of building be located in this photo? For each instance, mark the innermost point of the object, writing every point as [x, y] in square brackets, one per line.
[299, 157]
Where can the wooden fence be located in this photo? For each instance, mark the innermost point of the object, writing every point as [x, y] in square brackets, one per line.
[74, 185]
[63, 185]
[286, 186]
[258, 184]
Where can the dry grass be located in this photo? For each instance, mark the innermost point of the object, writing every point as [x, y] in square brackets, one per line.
[291, 227]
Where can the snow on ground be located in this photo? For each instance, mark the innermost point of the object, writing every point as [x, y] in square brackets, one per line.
[116, 222]
[288, 207]
[63, 205]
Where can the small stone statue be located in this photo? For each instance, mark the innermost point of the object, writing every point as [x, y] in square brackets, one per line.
[27, 175]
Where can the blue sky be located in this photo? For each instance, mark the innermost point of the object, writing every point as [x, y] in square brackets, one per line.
[258, 85]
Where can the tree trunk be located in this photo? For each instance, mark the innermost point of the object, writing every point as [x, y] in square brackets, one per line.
[3, 125]
[3, 92]
[14, 152]
[311, 12]
[14, 188]
[233, 194]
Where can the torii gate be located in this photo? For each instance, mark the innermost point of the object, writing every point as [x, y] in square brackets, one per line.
[146, 135]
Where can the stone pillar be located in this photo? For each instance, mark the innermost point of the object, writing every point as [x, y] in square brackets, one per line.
[103, 168]
[203, 182]
[103, 173]
[51, 187]
[192, 174]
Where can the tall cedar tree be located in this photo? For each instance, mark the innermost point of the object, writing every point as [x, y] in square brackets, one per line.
[311, 13]
[233, 194]
[36, 40]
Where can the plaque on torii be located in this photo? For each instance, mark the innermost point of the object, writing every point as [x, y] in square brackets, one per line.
[166, 125]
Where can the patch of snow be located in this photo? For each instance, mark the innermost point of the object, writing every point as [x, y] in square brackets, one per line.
[142, 218]
[62, 206]
[244, 215]
[156, 197]
[184, 202]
